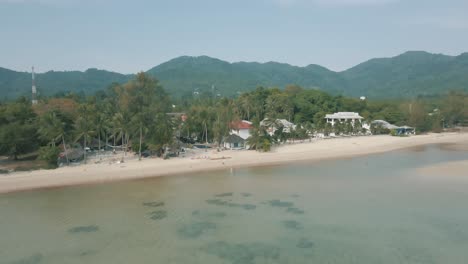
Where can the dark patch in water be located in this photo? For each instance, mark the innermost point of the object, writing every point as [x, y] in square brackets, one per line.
[88, 253]
[294, 210]
[220, 202]
[197, 229]
[242, 253]
[295, 196]
[246, 194]
[279, 203]
[34, 259]
[208, 214]
[305, 243]
[158, 215]
[224, 194]
[84, 229]
[293, 224]
[153, 204]
[216, 202]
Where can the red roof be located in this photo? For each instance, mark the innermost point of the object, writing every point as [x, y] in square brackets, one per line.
[241, 125]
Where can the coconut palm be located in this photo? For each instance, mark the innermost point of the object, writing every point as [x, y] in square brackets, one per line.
[52, 128]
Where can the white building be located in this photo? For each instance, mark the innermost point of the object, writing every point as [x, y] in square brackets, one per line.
[272, 126]
[241, 128]
[343, 117]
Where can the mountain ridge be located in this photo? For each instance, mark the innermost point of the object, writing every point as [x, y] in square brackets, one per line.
[406, 75]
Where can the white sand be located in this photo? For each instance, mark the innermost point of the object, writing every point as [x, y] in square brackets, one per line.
[134, 169]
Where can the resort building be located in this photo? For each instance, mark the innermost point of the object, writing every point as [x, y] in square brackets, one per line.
[343, 117]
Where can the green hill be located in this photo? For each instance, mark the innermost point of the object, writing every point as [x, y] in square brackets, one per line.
[407, 75]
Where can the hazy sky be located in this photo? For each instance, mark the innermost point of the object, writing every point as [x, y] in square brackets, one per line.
[129, 36]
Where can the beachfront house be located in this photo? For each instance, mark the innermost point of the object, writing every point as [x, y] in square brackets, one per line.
[274, 124]
[388, 128]
[241, 128]
[234, 141]
[343, 117]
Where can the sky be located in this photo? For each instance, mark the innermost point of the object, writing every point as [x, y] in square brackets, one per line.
[132, 36]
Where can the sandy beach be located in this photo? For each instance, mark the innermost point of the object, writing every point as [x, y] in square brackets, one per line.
[213, 160]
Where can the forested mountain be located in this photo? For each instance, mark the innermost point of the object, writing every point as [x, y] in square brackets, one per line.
[14, 84]
[407, 75]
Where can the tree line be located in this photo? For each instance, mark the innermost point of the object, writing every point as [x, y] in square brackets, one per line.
[134, 116]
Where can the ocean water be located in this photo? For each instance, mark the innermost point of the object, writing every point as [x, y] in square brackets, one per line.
[371, 209]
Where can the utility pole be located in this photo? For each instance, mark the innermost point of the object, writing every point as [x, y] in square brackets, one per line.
[34, 90]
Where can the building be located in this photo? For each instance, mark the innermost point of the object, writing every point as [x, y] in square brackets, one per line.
[343, 117]
[273, 125]
[241, 128]
[403, 130]
[234, 142]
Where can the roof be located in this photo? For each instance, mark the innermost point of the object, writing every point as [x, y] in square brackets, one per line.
[344, 115]
[243, 124]
[233, 139]
[387, 125]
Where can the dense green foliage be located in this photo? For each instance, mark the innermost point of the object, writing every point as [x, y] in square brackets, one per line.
[405, 76]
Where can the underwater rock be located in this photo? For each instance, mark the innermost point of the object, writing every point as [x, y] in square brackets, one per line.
[242, 253]
[195, 230]
[279, 203]
[153, 204]
[224, 194]
[84, 229]
[305, 243]
[88, 253]
[158, 215]
[216, 202]
[294, 210]
[34, 259]
[208, 214]
[292, 224]
[229, 204]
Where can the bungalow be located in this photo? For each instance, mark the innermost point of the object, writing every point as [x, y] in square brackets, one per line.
[241, 128]
[403, 130]
[234, 142]
[343, 117]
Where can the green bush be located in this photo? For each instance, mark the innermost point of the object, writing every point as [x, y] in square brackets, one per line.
[50, 155]
[136, 146]
[266, 145]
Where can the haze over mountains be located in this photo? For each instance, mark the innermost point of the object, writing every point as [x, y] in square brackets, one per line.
[404, 76]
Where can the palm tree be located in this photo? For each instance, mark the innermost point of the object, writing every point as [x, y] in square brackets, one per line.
[52, 128]
[84, 129]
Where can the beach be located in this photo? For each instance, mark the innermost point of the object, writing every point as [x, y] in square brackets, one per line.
[224, 160]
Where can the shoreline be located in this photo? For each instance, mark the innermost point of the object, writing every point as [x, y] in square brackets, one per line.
[316, 150]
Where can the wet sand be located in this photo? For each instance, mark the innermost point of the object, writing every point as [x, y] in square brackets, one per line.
[307, 151]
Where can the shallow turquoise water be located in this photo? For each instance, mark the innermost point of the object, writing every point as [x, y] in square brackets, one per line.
[373, 209]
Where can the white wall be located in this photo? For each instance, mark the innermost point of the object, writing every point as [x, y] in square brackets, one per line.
[243, 133]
